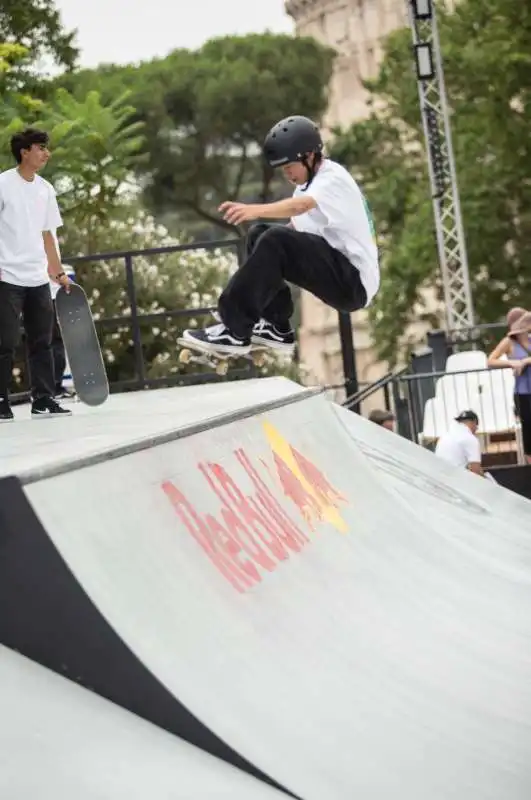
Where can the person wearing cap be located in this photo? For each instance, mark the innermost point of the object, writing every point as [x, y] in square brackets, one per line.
[514, 352]
[385, 419]
[328, 248]
[459, 445]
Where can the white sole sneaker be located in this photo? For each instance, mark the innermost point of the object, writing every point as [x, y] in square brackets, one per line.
[211, 348]
[281, 347]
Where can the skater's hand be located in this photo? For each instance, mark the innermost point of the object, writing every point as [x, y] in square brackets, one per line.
[63, 280]
[236, 213]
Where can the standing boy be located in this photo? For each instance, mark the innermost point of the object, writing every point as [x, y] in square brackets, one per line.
[29, 215]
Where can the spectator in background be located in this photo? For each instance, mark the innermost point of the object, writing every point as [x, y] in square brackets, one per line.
[513, 315]
[386, 419]
[514, 352]
[459, 445]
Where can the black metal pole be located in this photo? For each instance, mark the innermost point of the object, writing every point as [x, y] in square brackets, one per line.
[348, 353]
[137, 336]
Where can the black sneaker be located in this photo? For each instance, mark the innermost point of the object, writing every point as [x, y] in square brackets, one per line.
[215, 339]
[267, 334]
[48, 407]
[6, 415]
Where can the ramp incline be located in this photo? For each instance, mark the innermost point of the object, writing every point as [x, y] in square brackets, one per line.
[286, 586]
[59, 740]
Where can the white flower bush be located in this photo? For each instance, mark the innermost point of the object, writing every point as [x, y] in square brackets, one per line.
[191, 279]
[175, 281]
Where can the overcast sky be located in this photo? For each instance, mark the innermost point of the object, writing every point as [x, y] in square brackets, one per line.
[132, 30]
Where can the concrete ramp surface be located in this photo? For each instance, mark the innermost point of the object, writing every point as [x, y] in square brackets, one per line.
[60, 741]
[343, 613]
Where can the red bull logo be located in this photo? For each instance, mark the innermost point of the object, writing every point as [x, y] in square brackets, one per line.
[252, 533]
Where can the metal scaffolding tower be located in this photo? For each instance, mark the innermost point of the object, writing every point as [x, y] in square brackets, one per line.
[445, 195]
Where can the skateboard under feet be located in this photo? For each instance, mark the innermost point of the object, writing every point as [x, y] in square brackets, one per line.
[219, 361]
[82, 347]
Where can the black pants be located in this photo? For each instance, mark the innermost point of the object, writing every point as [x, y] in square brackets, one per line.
[522, 404]
[35, 305]
[58, 354]
[276, 254]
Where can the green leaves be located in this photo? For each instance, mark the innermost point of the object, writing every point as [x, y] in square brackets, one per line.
[36, 26]
[205, 116]
[486, 47]
[95, 150]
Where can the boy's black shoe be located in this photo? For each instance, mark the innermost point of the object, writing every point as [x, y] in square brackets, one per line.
[48, 407]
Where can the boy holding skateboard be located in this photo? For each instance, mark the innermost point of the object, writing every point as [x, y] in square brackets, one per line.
[29, 215]
[328, 248]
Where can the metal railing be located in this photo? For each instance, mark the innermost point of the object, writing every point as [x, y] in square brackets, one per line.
[426, 401]
[383, 384]
[434, 399]
[136, 320]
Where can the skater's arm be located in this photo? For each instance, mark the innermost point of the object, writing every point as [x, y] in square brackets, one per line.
[290, 207]
[473, 456]
[51, 223]
[237, 213]
[502, 349]
[55, 268]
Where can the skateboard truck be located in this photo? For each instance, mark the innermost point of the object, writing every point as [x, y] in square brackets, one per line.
[220, 362]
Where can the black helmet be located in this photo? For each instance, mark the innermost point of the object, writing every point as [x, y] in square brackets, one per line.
[290, 139]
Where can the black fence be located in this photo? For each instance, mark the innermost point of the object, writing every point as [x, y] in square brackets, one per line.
[422, 396]
[425, 400]
[137, 321]
[139, 361]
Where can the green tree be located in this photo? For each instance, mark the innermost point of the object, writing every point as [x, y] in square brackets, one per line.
[486, 48]
[36, 25]
[95, 151]
[206, 114]
[93, 161]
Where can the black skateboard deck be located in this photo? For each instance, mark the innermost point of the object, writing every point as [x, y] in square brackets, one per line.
[82, 347]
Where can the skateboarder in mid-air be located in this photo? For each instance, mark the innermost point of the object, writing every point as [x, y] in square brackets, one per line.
[28, 257]
[328, 248]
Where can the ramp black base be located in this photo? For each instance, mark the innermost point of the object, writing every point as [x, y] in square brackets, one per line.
[46, 616]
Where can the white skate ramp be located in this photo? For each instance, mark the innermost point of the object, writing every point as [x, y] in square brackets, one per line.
[349, 632]
[58, 740]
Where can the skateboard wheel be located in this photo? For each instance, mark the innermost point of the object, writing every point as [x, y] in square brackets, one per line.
[259, 359]
[184, 357]
[222, 368]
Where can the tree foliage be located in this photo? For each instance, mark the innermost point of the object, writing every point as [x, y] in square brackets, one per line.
[95, 150]
[486, 47]
[36, 26]
[206, 114]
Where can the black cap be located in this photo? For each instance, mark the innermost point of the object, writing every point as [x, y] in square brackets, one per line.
[379, 417]
[468, 416]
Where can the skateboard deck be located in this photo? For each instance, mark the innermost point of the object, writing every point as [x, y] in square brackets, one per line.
[219, 361]
[82, 347]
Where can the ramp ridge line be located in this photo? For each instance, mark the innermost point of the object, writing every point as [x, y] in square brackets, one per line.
[27, 477]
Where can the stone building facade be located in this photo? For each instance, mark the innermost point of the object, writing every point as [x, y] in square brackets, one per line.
[355, 28]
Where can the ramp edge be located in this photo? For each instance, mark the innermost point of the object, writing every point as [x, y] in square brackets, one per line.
[27, 477]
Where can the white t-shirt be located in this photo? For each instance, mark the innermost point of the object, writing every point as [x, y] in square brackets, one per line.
[342, 218]
[459, 446]
[27, 208]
